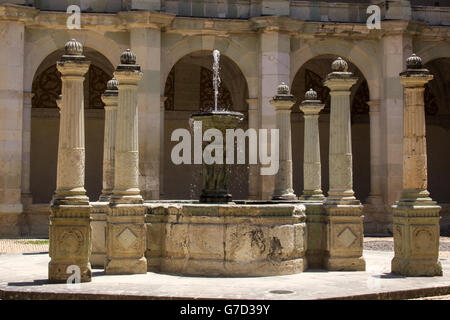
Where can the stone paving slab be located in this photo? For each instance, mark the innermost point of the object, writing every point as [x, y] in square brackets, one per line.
[24, 276]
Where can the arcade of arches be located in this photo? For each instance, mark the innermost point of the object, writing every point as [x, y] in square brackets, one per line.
[188, 88]
[260, 47]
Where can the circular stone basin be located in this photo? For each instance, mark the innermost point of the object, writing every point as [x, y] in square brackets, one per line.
[226, 239]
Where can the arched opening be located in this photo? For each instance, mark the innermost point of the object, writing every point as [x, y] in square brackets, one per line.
[188, 89]
[45, 125]
[437, 111]
[312, 75]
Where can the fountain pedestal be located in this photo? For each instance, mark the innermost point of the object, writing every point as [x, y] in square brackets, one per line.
[238, 239]
[215, 170]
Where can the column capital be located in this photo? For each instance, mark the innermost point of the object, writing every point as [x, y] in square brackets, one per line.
[111, 96]
[252, 103]
[311, 106]
[28, 95]
[162, 102]
[128, 77]
[416, 80]
[73, 63]
[415, 76]
[284, 100]
[340, 81]
[374, 106]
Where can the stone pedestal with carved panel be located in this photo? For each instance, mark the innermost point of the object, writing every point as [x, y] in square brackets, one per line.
[70, 230]
[343, 211]
[415, 215]
[125, 231]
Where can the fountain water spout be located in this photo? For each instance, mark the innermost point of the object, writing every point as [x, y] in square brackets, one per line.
[216, 77]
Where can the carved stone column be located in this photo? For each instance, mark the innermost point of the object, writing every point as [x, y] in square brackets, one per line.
[110, 99]
[70, 230]
[283, 103]
[415, 215]
[27, 198]
[312, 196]
[344, 211]
[125, 242]
[162, 113]
[312, 189]
[253, 169]
[376, 217]
[99, 209]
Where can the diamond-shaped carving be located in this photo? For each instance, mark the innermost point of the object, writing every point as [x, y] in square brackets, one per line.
[126, 238]
[347, 237]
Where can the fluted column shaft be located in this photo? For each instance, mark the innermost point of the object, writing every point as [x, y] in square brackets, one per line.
[71, 147]
[375, 153]
[109, 143]
[26, 149]
[283, 179]
[126, 179]
[312, 189]
[340, 162]
[253, 169]
[414, 142]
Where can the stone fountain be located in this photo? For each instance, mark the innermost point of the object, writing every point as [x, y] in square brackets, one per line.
[218, 237]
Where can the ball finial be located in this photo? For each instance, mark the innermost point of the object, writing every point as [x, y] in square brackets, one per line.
[311, 95]
[128, 57]
[73, 48]
[112, 84]
[414, 62]
[283, 88]
[339, 65]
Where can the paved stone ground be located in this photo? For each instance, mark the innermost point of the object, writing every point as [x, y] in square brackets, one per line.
[23, 245]
[24, 275]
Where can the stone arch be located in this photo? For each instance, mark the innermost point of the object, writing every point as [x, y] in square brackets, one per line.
[45, 124]
[242, 57]
[433, 51]
[356, 54]
[437, 110]
[187, 89]
[37, 51]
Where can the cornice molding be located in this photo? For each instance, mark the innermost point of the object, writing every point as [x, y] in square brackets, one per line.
[12, 12]
[127, 20]
[146, 19]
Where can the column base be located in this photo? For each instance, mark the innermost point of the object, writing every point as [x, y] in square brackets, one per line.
[344, 238]
[345, 264]
[98, 260]
[98, 226]
[284, 196]
[416, 237]
[125, 239]
[312, 197]
[126, 266]
[416, 267]
[105, 197]
[126, 199]
[316, 233]
[27, 200]
[57, 272]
